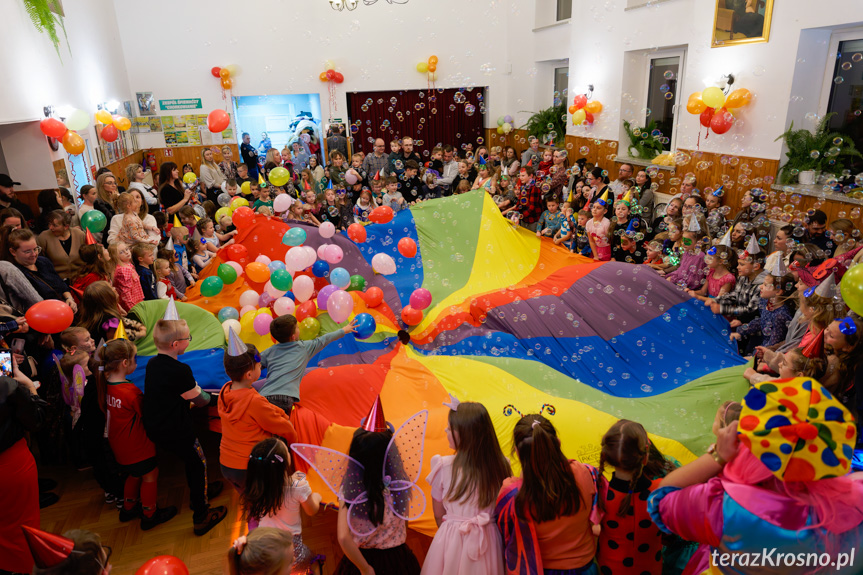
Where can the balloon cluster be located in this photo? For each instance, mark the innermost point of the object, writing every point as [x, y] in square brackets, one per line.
[715, 110]
[330, 75]
[113, 125]
[219, 120]
[65, 132]
[429, 68]
[505, 124]
[225, 75]
[583, 111]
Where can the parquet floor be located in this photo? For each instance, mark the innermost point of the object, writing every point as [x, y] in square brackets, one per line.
[82, 505]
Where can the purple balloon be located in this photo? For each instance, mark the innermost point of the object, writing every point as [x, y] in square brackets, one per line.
[265, 300]
[324, 294]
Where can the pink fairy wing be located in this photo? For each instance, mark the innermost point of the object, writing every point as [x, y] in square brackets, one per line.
[403, 465]
[64, 383]
[358, 518]
[342, 474]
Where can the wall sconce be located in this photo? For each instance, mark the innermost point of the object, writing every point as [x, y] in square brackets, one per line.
[342, 4]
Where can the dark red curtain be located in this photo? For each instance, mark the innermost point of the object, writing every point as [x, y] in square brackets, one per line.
[430, 117]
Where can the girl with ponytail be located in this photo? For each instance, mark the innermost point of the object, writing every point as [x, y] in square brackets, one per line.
[545, 515]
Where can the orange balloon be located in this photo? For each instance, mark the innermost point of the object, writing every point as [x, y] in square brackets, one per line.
[224, 73]
[738, 98]
[573, 109]
[73, 143]
[323, 77]
[374, 296]
[227, 83]
[432, 61]
[695, 105]
[123, 123]
[257, 272]
[432, 67]
[593, 107]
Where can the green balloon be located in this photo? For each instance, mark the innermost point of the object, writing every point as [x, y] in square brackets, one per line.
[211, 286]
[309, 328]
[358, 283]
[281, 280]
[227, 274]
[94, 220]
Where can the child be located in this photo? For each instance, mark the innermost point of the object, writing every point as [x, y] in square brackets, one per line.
[266, 551]
[720, 281]
[742, 302]
[690, 271]
[776, 309]
[792, 363]
[164, 288]
[550, 220]
[254, 192]
[505, 198]
[330, 210]
[263, 200]
[429, 188]
[566, 233]
[597, 231]
[738, 236]
[132, 230]
[188, 218]
[243, 175]
[169, 386]
[75, 339]
[201, 256]
[463, 487]
[411, 183]
[545, 164]
[96, 267]
[364, 206]
[654, 254]
[273, 495]
[286, 361]
[210, 209]
[122, 402]
[162, 224]
[100, 314]
[297, 214]
[377, 186]
[179, 276]
[629, 250]
[627, 530]
[231, 187]
[393, 197]
[214, 240]
[715, 214]
[463, 187]
[127, 282]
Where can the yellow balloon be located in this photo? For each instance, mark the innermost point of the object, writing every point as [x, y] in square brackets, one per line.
[713, 97]
[190, 178]
[239, 201]
[579, 117]
[123, 123]
[594, 107]
[104, 117]
[433, 76]
[329, 65]
[246, 188]
[233, 69]
[422, 67]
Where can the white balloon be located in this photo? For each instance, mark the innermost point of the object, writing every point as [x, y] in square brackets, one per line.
[249, 297]
[311, 256]
[231, 324]
[383, 264]
[327, 230]
[284, 306]
[282, 203]
[322, 250]
[273, 290]
[262, 259]
[246, 309]
[303, 288]
[295, 258]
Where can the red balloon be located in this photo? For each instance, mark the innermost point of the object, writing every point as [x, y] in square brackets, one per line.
[49, 316]
[215, 71]
[53, 128]
[306, 309]
[331, 74]
[243, 216]
[411, 316]
[706, 116]
[588, 117]
[381, 215]
[237, 253]
[407, 247]
[357, 232]
[218, 120]
[373, 296]
[110, 133]
[338, 78]
[721, 121]
[163, 565]
[580, 101]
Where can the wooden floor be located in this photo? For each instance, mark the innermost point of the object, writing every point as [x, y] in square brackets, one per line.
[82, 505]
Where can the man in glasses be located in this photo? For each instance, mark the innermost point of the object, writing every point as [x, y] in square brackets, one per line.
[377, 160]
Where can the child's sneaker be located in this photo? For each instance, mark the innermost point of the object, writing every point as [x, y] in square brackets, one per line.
[129, 514]
[110, 499]
[161, 515]
[213, 517]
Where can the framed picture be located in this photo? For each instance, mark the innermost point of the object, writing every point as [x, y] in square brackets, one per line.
[741, 22]
[146, 103]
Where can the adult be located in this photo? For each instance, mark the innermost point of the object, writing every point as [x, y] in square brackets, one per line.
[172, 196]
[377, 161]
[624, 172]
[20, 248]
[597, 185]
[644, 187]
[60, 244]
[89, 194]
[15, 290]
[211, 175]
[317, 170]
[660, 224]
[509, 162]
[559, 174]
[544, 515]
[68, 203]
[785, 473]
[531, 155]
[265, 144]
[12, 218]
[106, 196]
[450, 171]
[783, 245]
[48, 202]
[816, 233]
[337, 141]
[398, 161]
[21, 413]
[228, 165]
[687, 188]
[132, 229]
[135, 176]
[300, 153]
[8, 199]
[249, 155]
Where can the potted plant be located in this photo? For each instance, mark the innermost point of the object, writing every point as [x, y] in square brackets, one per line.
[549, 125]
[643, 144]
[812, 152]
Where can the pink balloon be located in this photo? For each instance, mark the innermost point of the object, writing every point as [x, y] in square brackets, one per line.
[237, 267]
[282, 203]
[249, 297]
[340, 305]
[322, 250]
[262, 259]
[421, 298]
[334, 254]
[327, 230]
[310, 256]
[246, 309]
[323, 295]
[303, 288]
[295, 258]
[351, 177]
[284, 306]
[272, 291]
[383, 264]
[262, 323]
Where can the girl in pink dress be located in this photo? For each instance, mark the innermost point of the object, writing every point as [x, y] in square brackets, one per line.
[597, 231]
[720, 260]
[464, 488]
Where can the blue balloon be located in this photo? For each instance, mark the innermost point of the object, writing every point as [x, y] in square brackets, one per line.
[276, 265]
[340, 278]
[227, 313]
[290, 294]
[294, 237]
[321, 269]
[366, 326]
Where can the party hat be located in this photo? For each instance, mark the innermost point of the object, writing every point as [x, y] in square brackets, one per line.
[718, 192]
[378, 175]
[726, 239]
[120, 332]
[604, 199]
[814, 348]
[235, 344]
[481, 160]
[177, 222]
[330, 185]
[752, 247]
[375, 420]
[778, 268]
[694, 226]
[89, 238]
[169, 245]
[453, 402]
[530, 162]
[197, 219]
[632, 228]
[48, 549]
[261, 182]
[171, 310]
[827, 288]
[627, 199]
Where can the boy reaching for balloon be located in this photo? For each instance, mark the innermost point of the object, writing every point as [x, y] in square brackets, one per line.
[287, 360]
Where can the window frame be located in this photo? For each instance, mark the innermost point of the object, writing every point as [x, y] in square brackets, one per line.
[830, 66]
[557, 11]
[681, 72]
[563, 99]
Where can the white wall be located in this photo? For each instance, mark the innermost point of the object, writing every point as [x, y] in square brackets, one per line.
[607, 32]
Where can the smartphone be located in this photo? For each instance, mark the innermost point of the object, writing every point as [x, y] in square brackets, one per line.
[18, 345]
[6, 363]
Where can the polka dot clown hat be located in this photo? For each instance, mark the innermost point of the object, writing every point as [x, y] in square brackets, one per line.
[798, 429]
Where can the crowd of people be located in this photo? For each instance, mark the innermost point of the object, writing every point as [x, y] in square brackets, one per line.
[779, 295]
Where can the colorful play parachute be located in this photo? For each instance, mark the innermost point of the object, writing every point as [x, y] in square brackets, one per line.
[515, 323]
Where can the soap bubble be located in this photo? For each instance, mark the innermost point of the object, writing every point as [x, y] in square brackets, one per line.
[668, 75]
[469, 109]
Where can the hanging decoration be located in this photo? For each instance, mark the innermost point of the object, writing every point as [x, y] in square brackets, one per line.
[218, 120]
[716, 108]
[332, 77]
[429, 68]
[505, 125]
[584, 109]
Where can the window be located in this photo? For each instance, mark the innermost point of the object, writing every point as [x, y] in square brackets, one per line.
[661, 108]
[561, 85]
[564, 10]
[846, 94]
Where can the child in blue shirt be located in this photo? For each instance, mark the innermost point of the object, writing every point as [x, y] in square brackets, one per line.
[550, 220]
[144, 255]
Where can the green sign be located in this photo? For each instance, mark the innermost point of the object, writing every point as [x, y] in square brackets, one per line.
[180, 104]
